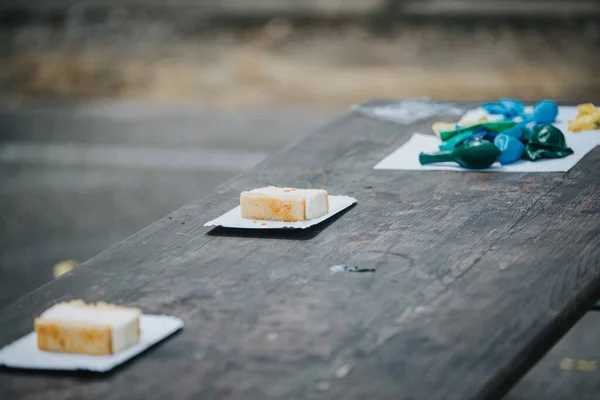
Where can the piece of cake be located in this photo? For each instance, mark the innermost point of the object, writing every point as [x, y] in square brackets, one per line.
[97, 329]
[284, 204]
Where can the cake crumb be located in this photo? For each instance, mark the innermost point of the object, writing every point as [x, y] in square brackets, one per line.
[343, 371]
[264, 224]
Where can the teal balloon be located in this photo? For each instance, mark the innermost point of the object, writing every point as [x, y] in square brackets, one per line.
[477, 154]
[454, 140]
[510, 147]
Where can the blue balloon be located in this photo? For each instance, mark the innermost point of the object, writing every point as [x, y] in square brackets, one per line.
[511, 148]
[479, 134]
[494, 108]
[516, 131]
[544, 112]
[513, 107]
[509, 108]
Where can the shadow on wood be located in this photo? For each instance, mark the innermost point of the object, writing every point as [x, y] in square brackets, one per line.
[285, 233]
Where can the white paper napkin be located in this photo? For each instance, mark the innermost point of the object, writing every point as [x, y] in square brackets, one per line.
[233, 218]
[406, 157]
[24, 352]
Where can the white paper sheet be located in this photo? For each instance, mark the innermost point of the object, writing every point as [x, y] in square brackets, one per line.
[24, 353]
[233, 218]
[406, 157]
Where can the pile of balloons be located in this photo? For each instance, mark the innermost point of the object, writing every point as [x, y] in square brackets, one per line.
[518, 135]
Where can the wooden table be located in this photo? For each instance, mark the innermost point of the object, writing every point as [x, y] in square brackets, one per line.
[477, 275]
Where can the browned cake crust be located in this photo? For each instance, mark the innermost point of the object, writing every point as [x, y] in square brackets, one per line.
[259, 206]
[74, 338]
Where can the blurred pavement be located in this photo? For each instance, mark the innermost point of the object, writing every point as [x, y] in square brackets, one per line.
[75, 179]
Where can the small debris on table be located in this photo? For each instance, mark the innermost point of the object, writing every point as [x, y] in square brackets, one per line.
[569, 364]
[350, 268]
[343, 371]
[63, 267]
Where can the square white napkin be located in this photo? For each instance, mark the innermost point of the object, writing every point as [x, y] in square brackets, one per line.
[233, 218]
[24, 353]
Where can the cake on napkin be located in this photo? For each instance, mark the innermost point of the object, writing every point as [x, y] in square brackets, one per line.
[96, 329]
[284, 204]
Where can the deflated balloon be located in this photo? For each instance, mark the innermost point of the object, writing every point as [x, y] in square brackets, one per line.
[547, 141]
[477, 154]
[512, 149]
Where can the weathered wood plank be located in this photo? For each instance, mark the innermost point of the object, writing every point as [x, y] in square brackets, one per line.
[477, 276]
[549, 382]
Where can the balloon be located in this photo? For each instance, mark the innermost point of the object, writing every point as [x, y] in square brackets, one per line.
[517, 131]
[495, 127]
[477, 154]
[511, 148]
[509, 108]
[547, 141]
[544, 112]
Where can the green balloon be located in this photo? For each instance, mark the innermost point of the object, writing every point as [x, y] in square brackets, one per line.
[477, 154]
[547, 141]
[495, 127]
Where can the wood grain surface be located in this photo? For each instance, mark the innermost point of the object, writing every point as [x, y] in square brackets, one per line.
[477, 276]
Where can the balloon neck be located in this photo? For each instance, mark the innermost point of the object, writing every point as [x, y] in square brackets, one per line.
[442, 156]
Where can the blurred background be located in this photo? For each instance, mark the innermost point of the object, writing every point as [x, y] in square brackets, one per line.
[114, 113]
